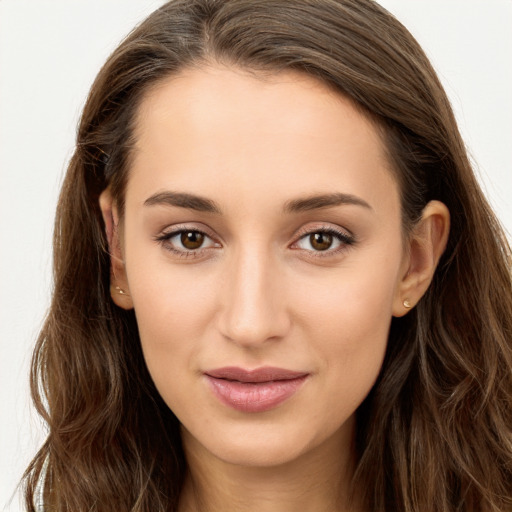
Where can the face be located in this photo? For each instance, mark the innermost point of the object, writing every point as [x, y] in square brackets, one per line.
[263, 255]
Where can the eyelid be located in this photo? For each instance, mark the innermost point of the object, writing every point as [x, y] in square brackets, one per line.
[170, 232]
[323, 227]
[344, 236]
[180, 228]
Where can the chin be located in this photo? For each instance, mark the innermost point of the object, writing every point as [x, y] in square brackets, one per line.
[252, 455]
[266, 445]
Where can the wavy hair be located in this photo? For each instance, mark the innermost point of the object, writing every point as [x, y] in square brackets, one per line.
[435, 432]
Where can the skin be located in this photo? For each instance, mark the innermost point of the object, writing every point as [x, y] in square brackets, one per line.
[258, 292]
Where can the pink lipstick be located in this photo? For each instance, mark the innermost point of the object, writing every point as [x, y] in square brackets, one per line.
[256, 390]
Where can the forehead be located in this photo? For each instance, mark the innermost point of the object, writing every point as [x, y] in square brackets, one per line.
[209, 96]
[219, 128]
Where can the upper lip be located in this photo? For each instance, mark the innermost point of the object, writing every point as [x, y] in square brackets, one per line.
[263, 374]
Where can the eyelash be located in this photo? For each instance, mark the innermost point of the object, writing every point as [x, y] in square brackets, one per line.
[164, 240]
[345, 240]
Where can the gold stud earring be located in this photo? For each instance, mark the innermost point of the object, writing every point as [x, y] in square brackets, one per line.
[407, 304]
[120, 291]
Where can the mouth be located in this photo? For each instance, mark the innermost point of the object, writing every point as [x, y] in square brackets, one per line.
[256, 390]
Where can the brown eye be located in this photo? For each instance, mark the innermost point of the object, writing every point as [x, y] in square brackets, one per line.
[321, 241]
[324, 242]
[187, 242]
[192, 239]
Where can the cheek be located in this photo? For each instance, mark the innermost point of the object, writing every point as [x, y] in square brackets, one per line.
[353, 304]
[348, 325]
[340, 320]
[174, 308]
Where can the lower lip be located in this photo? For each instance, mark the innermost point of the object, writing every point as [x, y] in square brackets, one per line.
[254, 396]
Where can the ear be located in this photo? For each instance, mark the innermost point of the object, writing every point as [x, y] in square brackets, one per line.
[426, 244]
[119, 290]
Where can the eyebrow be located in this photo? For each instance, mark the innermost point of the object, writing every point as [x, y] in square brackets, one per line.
[183, 200]
[202, 204]
[316, 202]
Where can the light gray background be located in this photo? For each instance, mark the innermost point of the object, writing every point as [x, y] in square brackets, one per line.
[50, 52]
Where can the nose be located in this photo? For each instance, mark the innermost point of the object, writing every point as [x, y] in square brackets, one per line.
[253, 309]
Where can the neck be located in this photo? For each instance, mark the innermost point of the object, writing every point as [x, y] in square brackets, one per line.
[318, 481]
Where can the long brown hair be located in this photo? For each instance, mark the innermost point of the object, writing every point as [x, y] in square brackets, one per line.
[435, 433]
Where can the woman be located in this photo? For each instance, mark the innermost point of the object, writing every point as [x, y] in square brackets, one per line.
[277, 283]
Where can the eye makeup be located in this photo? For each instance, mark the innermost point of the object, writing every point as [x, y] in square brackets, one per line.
[320, 241]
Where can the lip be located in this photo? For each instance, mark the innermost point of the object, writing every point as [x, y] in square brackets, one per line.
[255, 390]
